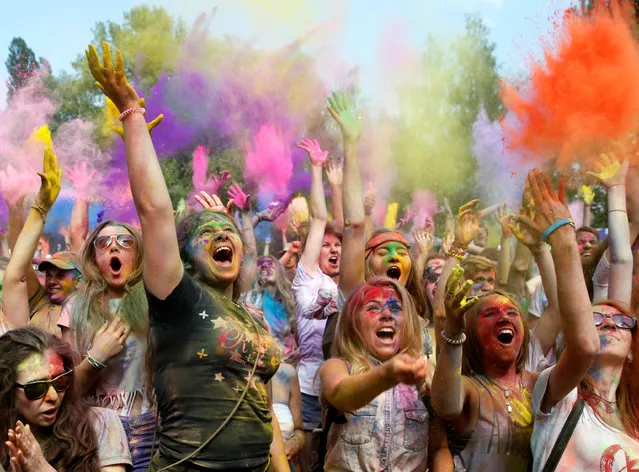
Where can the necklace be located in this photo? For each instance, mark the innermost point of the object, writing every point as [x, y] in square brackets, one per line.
[507, 394]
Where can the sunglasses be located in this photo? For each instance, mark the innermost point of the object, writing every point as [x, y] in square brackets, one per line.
[430, 275]
[124, 240]
[620, 320]
[39, 388]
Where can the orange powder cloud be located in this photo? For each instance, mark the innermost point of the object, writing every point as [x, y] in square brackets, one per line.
[584, 94]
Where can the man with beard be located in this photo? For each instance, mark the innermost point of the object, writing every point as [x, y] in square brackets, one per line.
[316, 294]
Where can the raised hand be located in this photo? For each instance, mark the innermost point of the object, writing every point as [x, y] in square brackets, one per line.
[610, 171]
[112, 80]
[456, 301]
[369, 199]
[334, 172]
[239, 198]
[503, 218]
[25, 451]
[108, 342]
[587, 194]
[213, 202]
[15, 184]
[273, 212]
[150, 125]
[50, 180]
[526, 231]
[467, 224]
[80, 177]
[344, 115]
[312, 147]
[215, 182]
[424, 239]
[549, 206]
[447, 241]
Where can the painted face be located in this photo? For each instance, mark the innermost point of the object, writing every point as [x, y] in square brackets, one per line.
[585, 242]
[114, 261]
[40, 413]
[216, 251]
[266, 271]
[380, 322]
[330, 255]
[483, 282]
[392, 260]
[500, 330]
[615, 342]
[59, 283]
[432, 271]
[482, 237]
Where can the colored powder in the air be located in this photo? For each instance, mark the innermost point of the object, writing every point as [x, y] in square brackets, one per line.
[268, 162]
[423, 208]
[390, 220]
[584, 93]
[200, 168]
[42, 135]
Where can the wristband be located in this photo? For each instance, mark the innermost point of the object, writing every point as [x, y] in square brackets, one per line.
[41, 210]
[454, 341]
[555, 226]
[456, 253]
[129, 111]
[96, 364]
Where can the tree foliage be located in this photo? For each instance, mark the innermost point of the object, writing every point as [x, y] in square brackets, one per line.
[21, 65]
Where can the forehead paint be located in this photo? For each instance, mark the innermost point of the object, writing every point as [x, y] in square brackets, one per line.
[498, 303]
[56, 365]
[31, 364]
[393, 247]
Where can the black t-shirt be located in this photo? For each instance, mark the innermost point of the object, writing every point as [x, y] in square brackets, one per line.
[204, 347]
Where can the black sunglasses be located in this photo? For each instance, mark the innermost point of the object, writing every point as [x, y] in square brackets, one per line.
[39, 388]
[620, 320]
[430, 275]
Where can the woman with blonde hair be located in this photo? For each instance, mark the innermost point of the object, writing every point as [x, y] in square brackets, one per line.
[107, 324]
[376, 380]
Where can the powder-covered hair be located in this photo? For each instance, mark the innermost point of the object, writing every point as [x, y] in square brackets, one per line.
[413, 283]
[627, 395]
[473, 350]
[348, 343]
[91, 303]
[474, 264]
[283, 289]
[186, 229]
[72, 444]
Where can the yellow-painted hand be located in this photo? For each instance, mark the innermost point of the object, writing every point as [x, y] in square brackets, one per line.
[587, 194]
[610, 171]
[51, 180]
[150, 125]
[112, 80]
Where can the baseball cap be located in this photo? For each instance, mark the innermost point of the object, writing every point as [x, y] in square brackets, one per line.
[65, 260]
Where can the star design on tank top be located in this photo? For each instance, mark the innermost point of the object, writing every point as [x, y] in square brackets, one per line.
[202, 354]
[204, 315]
[238, 389]
[219, 323]
[251, 381]
[218, 377]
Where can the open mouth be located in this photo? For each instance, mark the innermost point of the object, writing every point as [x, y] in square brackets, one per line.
[506, 335]
[223, 255]
[333, 260]
[115, 264]
[394, 272]
[386, 334]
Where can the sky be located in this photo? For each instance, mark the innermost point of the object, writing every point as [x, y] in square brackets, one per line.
[347, 32]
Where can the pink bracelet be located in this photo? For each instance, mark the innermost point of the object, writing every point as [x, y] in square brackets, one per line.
[130, 111]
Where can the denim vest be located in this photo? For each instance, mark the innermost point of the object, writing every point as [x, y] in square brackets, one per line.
[388, 434]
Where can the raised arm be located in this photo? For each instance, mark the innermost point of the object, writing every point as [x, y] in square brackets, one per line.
[578, 327]
[318, 214]
[505, 249]
[425, 242]
[612, 174]
[369, 204]
[163, 268]
[450, 391]
[81, 179]
[249, 265]
[15, 296]
[335, 180]
[352, 261]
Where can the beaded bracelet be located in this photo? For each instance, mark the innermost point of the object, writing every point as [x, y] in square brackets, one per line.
[129, 111]
[96, 364]
[454, 341]
[40, 209]
[456, 253]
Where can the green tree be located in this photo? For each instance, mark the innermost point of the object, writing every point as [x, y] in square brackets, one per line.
[21, 65]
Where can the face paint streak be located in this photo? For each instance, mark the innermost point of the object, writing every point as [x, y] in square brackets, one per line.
[56, 365]
[30, 364]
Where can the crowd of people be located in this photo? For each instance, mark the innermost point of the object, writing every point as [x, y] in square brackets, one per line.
[175, 346]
